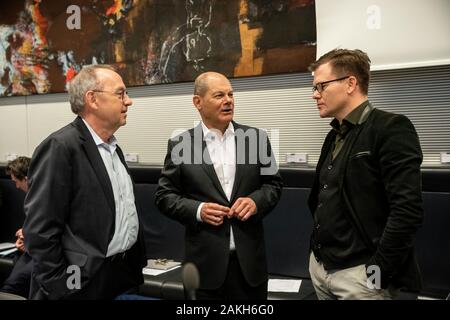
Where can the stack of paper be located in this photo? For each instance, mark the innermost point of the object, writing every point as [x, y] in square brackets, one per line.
[157, 266]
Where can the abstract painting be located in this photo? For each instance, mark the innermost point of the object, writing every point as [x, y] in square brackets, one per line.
[44, 43]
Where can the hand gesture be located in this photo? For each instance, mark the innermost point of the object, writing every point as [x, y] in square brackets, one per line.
[19, 242]
[213, 213]
[243, 209]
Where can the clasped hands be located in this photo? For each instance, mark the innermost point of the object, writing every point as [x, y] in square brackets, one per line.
[214, 213]
[19, 241]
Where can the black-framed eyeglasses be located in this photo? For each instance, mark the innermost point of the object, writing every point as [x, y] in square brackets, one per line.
[320, 86]
[120, 94]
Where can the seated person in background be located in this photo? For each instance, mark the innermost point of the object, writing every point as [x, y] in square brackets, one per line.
[18, 281]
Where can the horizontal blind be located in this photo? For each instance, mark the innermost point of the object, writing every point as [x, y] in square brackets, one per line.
[282, 104]
[423, 95]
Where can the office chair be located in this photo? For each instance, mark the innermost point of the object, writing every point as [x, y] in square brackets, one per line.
[10, 296]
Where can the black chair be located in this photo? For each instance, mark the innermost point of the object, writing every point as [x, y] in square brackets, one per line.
[10, 296]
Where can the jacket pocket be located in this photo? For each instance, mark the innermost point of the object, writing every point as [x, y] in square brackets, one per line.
[361, 154]
[75, 258]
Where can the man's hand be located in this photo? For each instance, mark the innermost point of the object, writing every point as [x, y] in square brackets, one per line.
[213, 213]
[243, 209]
[19, 242]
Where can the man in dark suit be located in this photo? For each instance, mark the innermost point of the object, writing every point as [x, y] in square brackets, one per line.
[366, 198]
[81, 227]
[220, 179]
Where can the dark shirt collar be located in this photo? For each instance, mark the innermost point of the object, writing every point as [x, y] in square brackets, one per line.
[351, 120]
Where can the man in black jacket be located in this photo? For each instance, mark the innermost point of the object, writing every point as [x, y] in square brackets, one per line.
[366, 198]
[221, 187]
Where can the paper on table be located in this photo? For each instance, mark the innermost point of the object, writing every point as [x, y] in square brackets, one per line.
[284, 285]
[155, 272]
[162, 264]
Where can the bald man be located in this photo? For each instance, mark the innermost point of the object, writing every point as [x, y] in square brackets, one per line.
[220, 180]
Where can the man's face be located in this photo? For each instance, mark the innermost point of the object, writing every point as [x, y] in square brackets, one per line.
[21, 184]
[111, 108]
[216, 106]
[333, 99]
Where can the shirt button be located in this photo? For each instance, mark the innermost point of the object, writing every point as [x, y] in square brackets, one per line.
[319, 246]
[319, 205]
[330, 167]
[318, 226]
[325, 186]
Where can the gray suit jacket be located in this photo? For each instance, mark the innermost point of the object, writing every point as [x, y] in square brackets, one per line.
[70, 212]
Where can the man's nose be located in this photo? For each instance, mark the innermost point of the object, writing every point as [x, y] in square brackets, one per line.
[127, 101]
[316, 94]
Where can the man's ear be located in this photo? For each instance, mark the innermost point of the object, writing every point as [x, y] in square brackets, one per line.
[352, 82]
[90, 100]
[197, 100]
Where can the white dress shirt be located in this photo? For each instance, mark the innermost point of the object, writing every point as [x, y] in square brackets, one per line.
[222, 151]
[126, 223]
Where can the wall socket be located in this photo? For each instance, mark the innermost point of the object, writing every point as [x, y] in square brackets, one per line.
[297, 158]
[11, 156]
[445, 157]
[132, 157]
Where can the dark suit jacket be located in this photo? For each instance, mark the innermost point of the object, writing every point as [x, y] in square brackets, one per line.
[70, 212]
[381, 190]
[182, 187]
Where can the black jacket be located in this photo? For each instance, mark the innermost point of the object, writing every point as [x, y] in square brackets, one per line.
[381, 190]
[182, 187]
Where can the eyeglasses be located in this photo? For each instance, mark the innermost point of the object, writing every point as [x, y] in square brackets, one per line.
[120, 94]
[320, 86]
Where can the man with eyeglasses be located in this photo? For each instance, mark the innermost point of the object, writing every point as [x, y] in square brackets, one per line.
[366, 198]
[81, 227]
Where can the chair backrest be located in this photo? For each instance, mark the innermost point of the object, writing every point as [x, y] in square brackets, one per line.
[164, 237]
[11, 211]
[287, 232]
[10, 296]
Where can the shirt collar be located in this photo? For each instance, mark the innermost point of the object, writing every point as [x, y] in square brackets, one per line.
[98, 141]
[209, 134]
[351, 120]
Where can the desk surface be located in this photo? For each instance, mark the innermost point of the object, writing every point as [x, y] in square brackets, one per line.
[169, 285]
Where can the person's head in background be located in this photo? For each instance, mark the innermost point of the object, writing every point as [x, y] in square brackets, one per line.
[341, 82]
[213, 98]
[98, 94]
[18, 170]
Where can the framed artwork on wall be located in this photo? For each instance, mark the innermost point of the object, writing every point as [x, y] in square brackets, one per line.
[44, 43]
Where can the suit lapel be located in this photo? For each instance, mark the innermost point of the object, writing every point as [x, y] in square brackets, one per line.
[354, 137]
[202, 157]
[96, 162]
